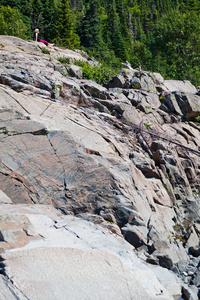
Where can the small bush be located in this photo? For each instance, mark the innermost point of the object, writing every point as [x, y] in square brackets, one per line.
[197, 119]
[64, 60]
[45, 50]
[100, 73]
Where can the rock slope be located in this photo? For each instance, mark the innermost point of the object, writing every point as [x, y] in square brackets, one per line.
[96, 174]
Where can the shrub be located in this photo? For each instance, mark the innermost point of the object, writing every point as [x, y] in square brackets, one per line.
[45, 50]
[100, 73]
[64, 60]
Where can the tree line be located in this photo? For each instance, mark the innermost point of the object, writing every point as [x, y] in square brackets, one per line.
[163, 35]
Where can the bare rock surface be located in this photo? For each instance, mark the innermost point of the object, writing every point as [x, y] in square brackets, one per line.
[73, 258]
[124, 158]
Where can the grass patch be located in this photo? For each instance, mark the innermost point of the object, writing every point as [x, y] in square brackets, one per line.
[45, 50]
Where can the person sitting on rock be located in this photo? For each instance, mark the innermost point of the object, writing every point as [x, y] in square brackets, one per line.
[37, 38]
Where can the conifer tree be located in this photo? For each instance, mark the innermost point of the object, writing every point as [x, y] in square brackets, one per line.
[37, 12]
[64, 26]
[115, 39]
[90, 32]
[48, 19]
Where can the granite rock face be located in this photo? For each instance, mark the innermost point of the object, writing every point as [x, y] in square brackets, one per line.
[124, 158]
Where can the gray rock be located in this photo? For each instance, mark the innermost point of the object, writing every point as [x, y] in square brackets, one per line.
[135, 235]
[6, 291]
[73, 245]
[189, 104]
[117, 82]
[190, 293]
[196, 278]
[74, 155]
[195, 251]
[75, 71]
[169, 104]
[182, 265]
[94, 89]
[147, 167]
[179, 86]
[158, 245]
[165, 261]
[4, 198]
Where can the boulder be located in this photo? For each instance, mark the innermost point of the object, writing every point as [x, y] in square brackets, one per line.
[181, 103]
[169, 104]
[94, 89]
[75, 71]
[196, 278]
[189, 104]
[195, 251]
[135, 235]
[117, 81]
[133, 79]
[184, 86]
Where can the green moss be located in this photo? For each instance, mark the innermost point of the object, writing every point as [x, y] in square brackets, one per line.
[177, 227]
[149, 109]
[5, 130]
[186, 224]
[180, 238]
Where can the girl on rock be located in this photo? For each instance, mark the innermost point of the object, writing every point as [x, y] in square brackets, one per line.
[37, 38]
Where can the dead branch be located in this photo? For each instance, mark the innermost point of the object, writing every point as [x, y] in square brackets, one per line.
[157, 135]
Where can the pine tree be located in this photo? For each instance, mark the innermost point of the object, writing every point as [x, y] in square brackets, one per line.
[90, 32]
[64, 26]
[37, 12]
[48, 19]
[115, 40]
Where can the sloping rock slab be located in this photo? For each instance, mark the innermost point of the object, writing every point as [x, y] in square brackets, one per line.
[70, 260]
[61, 273]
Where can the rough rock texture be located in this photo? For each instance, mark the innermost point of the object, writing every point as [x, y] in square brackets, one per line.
[125, 157]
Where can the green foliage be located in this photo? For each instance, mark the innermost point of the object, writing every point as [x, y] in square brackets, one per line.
[64, 26]
[114, 37]
[177, 41]
[101, 74]
[148, 125]
[197, 119]
[90, 31]
[25, 9]
[45, 50]
[64, 60]
[11, 22]
[48, 19]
